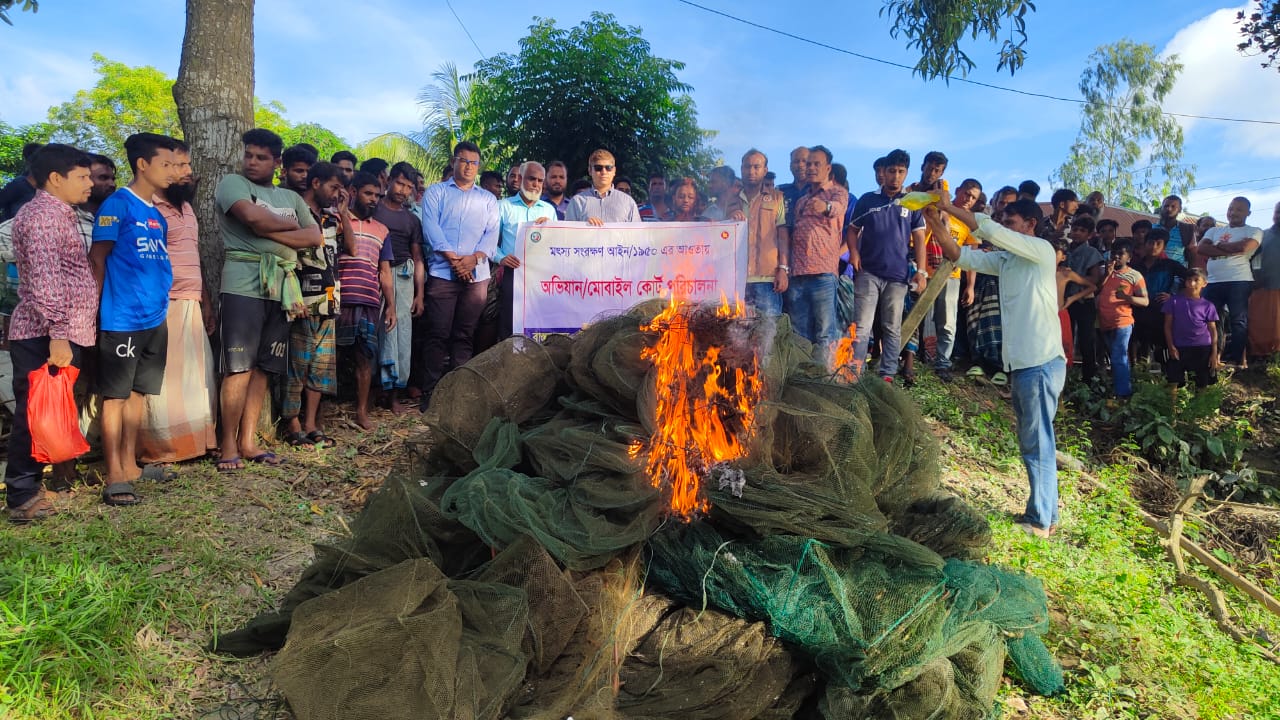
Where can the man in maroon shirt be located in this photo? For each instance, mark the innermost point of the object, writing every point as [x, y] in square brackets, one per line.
[817, 220]
[57, 309]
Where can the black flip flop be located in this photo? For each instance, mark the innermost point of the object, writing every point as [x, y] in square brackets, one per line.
[158, 473]
[112, 493]
[319, 439]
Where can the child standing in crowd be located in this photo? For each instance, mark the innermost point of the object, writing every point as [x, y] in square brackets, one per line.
[1191, 332]
[1084, 290]
[1122, 291]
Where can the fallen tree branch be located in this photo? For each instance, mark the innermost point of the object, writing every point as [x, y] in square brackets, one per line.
[1175, 543]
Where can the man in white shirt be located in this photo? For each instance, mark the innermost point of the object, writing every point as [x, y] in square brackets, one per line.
[1230, 277]
[1033, 357]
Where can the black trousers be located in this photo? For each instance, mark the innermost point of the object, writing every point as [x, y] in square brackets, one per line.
[1193, 359]
[23, 475]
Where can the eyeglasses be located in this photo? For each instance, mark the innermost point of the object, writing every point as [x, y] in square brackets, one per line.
[464, 161]
[602, 168]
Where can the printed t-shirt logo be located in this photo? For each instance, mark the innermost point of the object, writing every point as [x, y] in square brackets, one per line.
[107, 220]
[153, 224]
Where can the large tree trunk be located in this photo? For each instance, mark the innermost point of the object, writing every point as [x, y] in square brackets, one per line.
[214, 93]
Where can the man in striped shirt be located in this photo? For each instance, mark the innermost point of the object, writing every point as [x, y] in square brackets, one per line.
[364, 274]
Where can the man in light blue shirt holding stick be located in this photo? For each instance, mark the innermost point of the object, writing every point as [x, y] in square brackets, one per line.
[1032, 348]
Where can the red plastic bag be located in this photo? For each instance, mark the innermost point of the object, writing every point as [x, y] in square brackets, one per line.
[52, 415]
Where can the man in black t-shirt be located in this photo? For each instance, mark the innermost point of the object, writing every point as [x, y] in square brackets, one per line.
[408, 273]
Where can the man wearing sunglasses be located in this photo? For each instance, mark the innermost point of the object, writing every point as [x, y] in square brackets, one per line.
[602, 203]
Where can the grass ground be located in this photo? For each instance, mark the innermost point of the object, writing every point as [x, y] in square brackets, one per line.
[106, 610]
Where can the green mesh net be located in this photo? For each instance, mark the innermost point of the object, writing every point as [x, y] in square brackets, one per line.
[521, 564]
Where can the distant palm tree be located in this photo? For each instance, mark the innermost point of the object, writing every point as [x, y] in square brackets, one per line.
[446, 120]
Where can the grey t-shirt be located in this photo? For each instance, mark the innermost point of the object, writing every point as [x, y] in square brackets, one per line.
[1082, 258]
[613, 206]
[1267, 260]
[244, 278]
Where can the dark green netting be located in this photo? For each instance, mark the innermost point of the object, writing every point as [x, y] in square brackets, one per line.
[522, 565]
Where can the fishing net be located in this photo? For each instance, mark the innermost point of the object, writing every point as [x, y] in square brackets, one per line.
[523, 565]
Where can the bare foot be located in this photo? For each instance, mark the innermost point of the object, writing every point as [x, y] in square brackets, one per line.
[362, 419]
[398, 407]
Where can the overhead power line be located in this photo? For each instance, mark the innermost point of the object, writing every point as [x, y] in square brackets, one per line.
[464, 29]
[1231, 184]
[990, 86]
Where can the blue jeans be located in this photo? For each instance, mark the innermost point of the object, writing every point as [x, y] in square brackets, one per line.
[1232, 301]
[1118, 346]
[811, 302]
[1035, 403]
[945, 312]
[767, 303]
[876, 297]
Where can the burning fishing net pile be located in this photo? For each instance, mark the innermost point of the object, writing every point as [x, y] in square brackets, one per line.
[671, 514]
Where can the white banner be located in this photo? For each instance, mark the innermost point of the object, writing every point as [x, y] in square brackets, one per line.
[572, 273]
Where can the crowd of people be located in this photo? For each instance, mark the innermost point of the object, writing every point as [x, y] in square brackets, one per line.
[366, 265]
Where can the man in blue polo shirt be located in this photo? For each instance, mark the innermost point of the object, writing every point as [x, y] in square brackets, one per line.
[130, 261]
[881, 239]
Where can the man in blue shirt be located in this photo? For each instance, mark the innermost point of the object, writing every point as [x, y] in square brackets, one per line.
[881, 239]
[525, 206]
[460, 229]
[130, 261]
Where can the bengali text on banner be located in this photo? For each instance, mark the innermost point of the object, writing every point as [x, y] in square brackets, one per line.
[573, 273]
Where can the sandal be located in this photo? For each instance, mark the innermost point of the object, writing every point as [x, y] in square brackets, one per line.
[230, 465]
[297, 439]
[159, 473]
[37, 508]
[115, 494]
[315, 437]
[268, 458]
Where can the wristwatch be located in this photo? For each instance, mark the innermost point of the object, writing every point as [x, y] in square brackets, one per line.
[785, 268]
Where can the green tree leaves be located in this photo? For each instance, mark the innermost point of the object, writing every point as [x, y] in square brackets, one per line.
[935, 28]
[1127, 148]
[11, 141]
[124, 101]
[596, 85]
[127, 100]
[1261, 31]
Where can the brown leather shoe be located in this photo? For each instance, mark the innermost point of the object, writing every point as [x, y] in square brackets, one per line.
[37, 508]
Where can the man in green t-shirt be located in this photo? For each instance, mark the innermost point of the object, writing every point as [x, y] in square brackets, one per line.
[262, 227]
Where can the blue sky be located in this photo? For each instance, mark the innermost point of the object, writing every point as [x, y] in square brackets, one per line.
[357, 68]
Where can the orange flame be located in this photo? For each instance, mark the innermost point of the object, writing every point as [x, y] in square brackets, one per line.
[846, 368]
[705, 409]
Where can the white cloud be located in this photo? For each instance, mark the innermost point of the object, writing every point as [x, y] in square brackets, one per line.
[1216, 80]
[48, 78]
